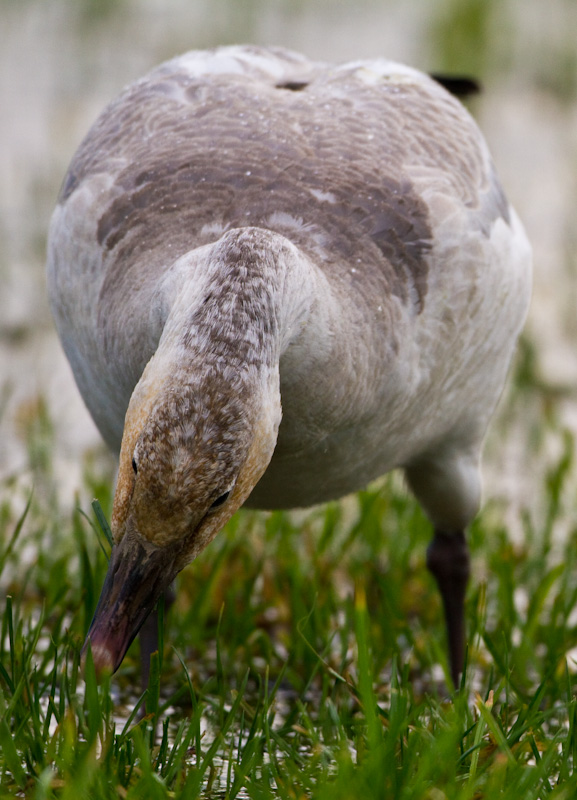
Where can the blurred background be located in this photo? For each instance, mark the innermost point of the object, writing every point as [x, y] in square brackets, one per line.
[61, 61]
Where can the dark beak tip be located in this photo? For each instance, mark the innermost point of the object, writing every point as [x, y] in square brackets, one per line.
[102, 658]
[136, 577]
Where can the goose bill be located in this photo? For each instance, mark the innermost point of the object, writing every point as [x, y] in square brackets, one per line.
[138, 573]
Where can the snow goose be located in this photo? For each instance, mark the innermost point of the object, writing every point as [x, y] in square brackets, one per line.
[276, 280]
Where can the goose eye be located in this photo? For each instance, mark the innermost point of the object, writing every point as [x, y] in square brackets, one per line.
[134, 466]
[220, 500]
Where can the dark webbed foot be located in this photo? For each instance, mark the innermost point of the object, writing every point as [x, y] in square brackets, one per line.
[448, 560]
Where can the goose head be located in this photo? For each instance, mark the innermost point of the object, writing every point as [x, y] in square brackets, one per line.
[191, 453]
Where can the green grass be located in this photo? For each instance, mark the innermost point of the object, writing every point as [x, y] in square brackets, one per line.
[299, 660]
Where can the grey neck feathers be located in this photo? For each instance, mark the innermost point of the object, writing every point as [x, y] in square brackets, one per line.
[255, 296]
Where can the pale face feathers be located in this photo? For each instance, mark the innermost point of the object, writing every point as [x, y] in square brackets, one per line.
[178, 458]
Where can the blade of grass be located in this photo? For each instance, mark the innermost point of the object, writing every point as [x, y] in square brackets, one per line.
[5, 554]
[103, 522]
[153, 689]
[11, 755]
[365, 684]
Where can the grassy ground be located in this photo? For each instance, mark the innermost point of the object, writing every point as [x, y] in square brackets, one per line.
[301, 658]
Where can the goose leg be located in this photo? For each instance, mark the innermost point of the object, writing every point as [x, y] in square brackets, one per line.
[448, 560]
